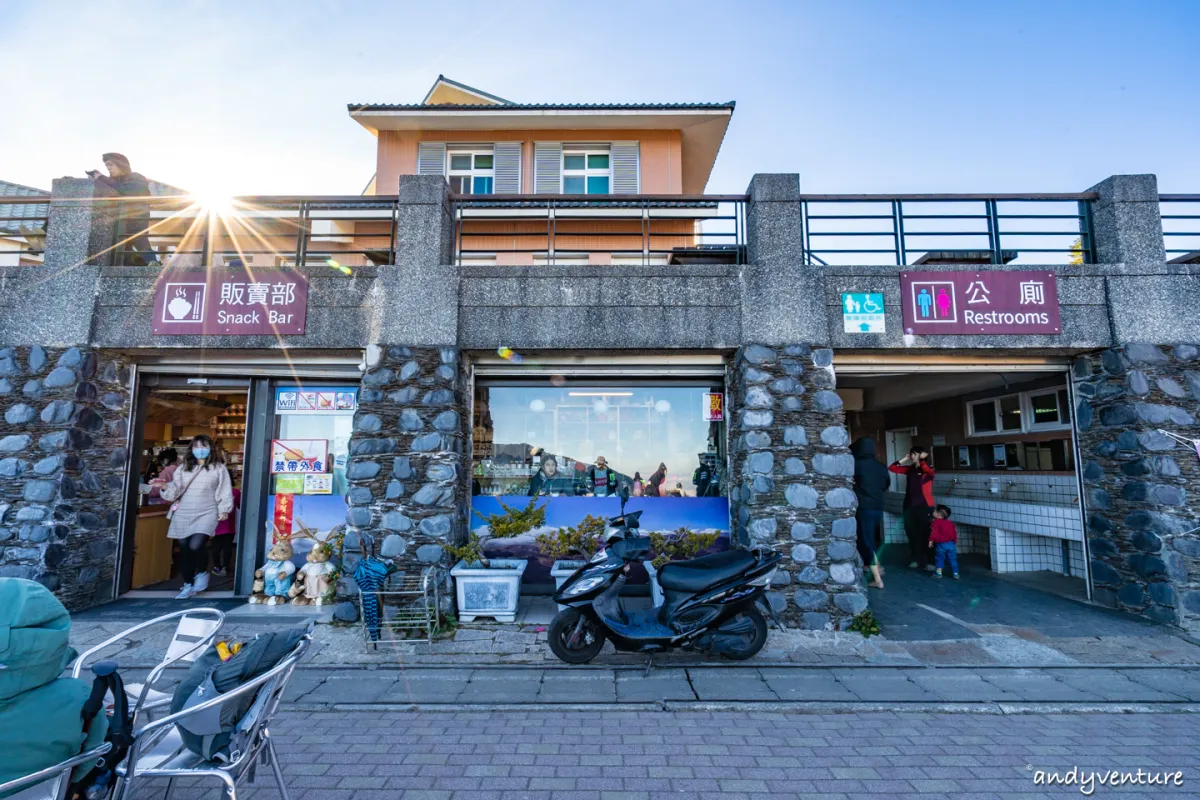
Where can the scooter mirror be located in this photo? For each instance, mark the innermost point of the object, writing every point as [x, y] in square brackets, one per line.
[624, 495]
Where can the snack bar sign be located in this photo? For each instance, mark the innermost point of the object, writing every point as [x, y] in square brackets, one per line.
[996, 302]
[243, 303]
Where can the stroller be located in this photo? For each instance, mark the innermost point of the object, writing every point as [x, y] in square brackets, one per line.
[52, 729]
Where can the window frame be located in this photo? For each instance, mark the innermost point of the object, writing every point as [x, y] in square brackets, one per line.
[1025, 403]
[587, 171]
[474, 172]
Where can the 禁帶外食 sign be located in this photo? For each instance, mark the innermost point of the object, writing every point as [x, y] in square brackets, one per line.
[999, 302]
[242, 303]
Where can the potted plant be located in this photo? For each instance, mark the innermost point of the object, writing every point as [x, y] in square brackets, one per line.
[491, 587]
[583, 539]
[679, 545]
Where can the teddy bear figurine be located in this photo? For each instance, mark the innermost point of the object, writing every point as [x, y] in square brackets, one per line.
[273, 582]
[316, 580]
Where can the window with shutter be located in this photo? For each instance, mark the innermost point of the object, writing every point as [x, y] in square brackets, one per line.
[625, 168]
[508, 167]
[431, 158]
[586, 169]
[547, 168]
[471, 169]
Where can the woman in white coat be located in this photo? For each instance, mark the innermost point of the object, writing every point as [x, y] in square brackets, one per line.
[201, 495]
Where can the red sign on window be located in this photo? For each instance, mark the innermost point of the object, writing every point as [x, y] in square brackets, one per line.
[242, 303]
[980, 302]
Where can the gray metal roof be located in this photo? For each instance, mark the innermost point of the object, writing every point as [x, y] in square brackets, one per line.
[359, 107]
[22, 211]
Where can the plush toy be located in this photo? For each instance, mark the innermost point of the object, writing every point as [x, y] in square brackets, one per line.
[316, 580]
[273, 582]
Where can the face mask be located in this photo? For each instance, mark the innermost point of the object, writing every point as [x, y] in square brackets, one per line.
[200, 452]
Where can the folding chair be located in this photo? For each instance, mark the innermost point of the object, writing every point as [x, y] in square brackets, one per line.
[158, 751]
[197, 629]
[52, 782]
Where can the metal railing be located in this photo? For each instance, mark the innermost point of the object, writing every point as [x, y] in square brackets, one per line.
[23, 224]
[948, 228]
[342, 232]
[1181, 226]
[616, 229]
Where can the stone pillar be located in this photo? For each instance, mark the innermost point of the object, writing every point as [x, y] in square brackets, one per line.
[792, 479]
[406, 467]
[1141, 522]
[425, 229]
[57, 300]
[1126, 221]
[63, 444]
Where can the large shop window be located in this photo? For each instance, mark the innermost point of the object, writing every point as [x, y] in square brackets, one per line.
[307, 464]
[574, 446]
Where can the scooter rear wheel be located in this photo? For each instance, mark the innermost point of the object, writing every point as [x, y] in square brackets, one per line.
[754, 640]
[574, 637]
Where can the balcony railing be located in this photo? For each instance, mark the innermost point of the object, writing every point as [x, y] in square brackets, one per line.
[599, 229]
[342, 232]
[1181, 227]
[948, 228]
[23, 223]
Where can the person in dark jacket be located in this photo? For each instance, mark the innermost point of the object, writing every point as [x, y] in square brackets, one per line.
[654, 487]
[918, 504]
[871, 480]
[133, 216]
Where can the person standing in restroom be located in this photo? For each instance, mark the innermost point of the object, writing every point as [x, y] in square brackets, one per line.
[918, 504]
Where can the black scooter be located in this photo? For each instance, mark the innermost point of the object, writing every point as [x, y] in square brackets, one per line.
[713, 603]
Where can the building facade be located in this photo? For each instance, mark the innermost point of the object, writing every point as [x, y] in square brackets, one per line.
[443, 372]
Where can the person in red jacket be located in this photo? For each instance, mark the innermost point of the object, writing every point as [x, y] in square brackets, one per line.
[918, 504]
[943, 537]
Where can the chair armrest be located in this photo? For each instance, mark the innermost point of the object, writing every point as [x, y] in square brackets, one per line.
[77, 669]
[58, 769]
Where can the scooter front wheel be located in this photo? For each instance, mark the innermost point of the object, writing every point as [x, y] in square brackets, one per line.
[575, 637]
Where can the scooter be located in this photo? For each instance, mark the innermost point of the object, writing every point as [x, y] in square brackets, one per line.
[713, 603]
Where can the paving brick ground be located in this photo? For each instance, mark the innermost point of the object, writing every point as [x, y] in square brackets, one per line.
[547, 755]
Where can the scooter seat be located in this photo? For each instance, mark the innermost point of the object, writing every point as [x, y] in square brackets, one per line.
[700, 573]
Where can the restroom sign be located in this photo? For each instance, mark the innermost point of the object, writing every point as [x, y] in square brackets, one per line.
[980, 302]
[862, 312]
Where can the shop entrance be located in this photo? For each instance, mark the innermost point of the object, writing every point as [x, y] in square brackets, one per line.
[1000, 440]
[284, 442]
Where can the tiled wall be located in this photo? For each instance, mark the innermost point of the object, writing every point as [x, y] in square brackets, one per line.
[1014, 487]
[1018, 552]
[1018, 536]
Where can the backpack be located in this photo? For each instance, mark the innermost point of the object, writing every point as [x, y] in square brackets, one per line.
[219, 734]
[98, 779]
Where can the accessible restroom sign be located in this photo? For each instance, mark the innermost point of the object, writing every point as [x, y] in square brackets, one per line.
[996, 302]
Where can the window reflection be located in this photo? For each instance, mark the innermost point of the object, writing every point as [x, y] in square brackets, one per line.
[591, 440]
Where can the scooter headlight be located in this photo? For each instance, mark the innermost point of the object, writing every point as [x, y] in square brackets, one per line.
[584, 585]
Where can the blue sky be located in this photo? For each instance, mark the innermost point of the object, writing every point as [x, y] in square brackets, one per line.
[250, 97]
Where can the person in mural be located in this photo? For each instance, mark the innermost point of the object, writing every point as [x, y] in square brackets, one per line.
[639, 486]
[918, 504]
[654, 487]
[870, 482]
[600, 479]
[201, 496]
[133, 215]
[548, 480]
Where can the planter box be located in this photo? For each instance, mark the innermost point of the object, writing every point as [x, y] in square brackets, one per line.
[489, 592]
[560, 571]
[656, 591]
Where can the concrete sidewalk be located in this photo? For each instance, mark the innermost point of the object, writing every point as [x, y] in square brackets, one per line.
[718, 686]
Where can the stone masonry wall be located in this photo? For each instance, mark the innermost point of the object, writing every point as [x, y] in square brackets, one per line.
[405, 470]
[1141, 521]
[63, 440]
[793, 477]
